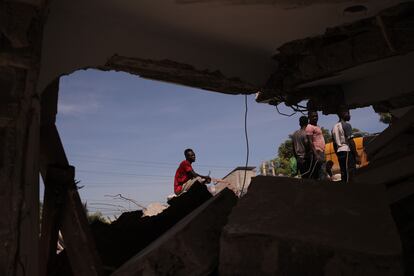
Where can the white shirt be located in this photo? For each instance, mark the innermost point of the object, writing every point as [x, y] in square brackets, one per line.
[339, 137]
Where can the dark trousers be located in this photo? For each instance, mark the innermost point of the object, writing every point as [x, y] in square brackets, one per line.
[347, 164]
[318, 167]
[304, 166]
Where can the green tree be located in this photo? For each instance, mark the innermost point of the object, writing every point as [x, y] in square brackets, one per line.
[283, 167]
[97, 216]
[285, 150]
[284, 153]
[385, 118]
[326, 135]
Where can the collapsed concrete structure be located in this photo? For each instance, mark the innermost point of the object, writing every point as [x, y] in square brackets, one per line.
[327, 52]
[286, 226]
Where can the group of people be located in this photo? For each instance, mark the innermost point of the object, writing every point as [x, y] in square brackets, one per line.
[309, 147]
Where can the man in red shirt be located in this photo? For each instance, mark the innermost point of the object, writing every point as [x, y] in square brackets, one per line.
[185, 176]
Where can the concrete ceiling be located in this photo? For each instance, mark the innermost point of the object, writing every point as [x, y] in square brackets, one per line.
[374, 81]
[237, 38]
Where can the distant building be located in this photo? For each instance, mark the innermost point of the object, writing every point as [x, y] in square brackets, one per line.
[235, 180]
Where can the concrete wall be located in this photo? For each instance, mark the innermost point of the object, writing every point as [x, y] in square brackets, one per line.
[20, 38]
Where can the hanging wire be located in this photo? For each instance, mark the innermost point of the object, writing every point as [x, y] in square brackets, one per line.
[247, 145]
[284, 114]
[295, 107]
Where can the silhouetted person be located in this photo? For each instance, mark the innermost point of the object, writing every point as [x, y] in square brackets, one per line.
[344, 145]
[302, 149]
[185, 176]
[317, 142]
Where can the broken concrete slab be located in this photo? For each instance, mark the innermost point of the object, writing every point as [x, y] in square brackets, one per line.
[287, 226]
[191, 247]
[303, 64]
[390, 133]
[379, 172]
[180, 73]
[117, 242]
[403, 213]
[121, 240]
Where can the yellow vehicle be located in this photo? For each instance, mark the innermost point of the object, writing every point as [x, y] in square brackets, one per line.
[359, 144]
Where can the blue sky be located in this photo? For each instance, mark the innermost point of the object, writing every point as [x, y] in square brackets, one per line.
[126, 135]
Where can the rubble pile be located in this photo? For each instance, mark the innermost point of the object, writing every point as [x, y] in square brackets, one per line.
[190, 247]
[119, 241]
[131, 232]
[288, 226]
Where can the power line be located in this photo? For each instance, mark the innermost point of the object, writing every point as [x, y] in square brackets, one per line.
[141, 165]
[95, 209]
[143, 161]
[122, 173]
[137, 185]
[124, 163]
[126, 183]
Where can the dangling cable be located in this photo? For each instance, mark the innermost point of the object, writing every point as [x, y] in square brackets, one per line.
[247, 145]
[313, 167]
[309, 170]
[284, 114]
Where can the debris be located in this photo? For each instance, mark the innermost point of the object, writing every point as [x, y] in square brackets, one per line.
[131, 232]
[288, 226]
[154, 209]
[191, 247]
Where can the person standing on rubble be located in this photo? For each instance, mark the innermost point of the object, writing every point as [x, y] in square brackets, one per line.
[317, 143]
[344, 145]
[302, 149]
[185, 176]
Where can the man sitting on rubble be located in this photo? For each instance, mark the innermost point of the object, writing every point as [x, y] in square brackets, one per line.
[185, 176]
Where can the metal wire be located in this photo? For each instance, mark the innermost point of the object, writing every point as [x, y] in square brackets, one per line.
[247, 145]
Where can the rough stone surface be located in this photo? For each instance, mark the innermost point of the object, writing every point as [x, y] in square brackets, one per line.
[395, 102]
[15, 21]
[288, 3]
[175, 72]
[286, 226]
[20, 37]
[131, 232]
[403, 213]
[191, 247]
[388, 34]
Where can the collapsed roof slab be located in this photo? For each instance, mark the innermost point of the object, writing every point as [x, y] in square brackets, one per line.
[232, 42]
[190, 247]
[366, 62]
[179, 73]
[286, 226]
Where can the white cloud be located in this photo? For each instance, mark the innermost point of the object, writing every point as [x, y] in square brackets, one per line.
[74, 109]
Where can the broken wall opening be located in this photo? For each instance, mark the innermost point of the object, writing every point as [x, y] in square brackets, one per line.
[127, 135]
